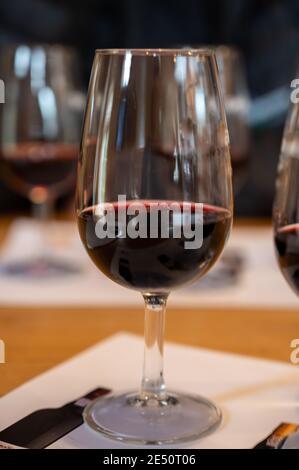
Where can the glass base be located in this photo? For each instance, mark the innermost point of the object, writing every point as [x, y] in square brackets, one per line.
[39, 268]
[178, 418]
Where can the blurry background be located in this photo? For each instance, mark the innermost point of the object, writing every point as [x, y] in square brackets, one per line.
[266, 32]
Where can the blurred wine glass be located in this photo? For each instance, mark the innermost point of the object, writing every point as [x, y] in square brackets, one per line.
[236, 100]
[40, 126]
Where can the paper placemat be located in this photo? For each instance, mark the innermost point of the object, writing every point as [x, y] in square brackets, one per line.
[258, 283]
[255, 395]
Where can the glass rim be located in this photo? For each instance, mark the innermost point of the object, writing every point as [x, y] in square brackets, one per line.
[187, 52]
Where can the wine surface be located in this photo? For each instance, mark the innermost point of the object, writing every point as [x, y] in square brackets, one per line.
[39, 164]
[155, 264]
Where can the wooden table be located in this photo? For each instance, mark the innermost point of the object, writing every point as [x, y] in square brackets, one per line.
[39, 338]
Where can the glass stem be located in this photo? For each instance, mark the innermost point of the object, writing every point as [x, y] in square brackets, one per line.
[152, 384]
[42, 213]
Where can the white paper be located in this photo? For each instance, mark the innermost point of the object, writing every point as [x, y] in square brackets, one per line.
[260, 283]
[254, 395]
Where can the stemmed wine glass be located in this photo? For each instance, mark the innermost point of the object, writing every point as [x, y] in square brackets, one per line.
[237, 102]
[286, 204]
[154, 161]
[40, 126]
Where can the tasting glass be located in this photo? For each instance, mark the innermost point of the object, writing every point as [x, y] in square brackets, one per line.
[154, 130]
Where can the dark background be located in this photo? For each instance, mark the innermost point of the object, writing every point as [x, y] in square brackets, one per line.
[266, 31]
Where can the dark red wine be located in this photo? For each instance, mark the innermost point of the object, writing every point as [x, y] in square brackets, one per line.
[287, 250]
[155, 264]
[38, 164]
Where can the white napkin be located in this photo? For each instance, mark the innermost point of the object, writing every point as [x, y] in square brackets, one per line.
[254, 395]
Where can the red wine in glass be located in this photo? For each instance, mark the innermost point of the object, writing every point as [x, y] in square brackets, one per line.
[287, 251]
[40, 164]
[38, 170]
[151, 264]
[39, 136]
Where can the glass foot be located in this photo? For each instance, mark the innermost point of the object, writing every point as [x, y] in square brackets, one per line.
[178, 418]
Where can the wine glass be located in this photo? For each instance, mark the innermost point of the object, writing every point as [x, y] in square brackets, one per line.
[236, 101]
[154, 149]
[40, 127]
[236, 98]
[286, 203]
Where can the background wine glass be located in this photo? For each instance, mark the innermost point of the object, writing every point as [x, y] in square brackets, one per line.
[154, 132]
[236, 100]
[40, 126]
[286, 204]
[235, 93]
